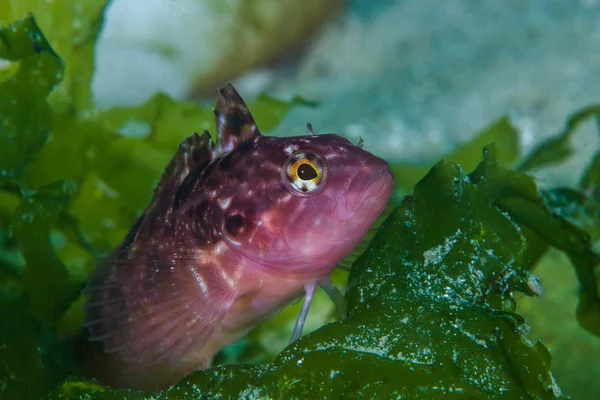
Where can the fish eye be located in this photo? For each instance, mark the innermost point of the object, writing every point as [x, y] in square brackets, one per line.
[305, 172]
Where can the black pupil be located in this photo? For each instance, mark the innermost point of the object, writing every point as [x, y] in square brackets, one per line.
[307, 172]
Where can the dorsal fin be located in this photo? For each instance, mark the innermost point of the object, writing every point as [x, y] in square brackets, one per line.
[235, 124]
[194, 151]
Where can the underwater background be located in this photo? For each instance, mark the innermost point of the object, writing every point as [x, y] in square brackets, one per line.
[95, 96]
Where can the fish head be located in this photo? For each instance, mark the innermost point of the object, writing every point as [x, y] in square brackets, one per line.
[301, 204]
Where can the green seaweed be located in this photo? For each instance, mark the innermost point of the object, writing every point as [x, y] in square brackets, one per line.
[73, 28]
[431, 301]
[23, 96]
[572, 223]
[45, 278]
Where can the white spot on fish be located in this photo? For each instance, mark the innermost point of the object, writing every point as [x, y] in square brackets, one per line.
[231, 276]
[199, 280]
[310, 186]
[285, 198]
[229, 280]
[224, 203]
[227, 147]
[219, 248]
[267, 219]
[290, 148]
[222, 119]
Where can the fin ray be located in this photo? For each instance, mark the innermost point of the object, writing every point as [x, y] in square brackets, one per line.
[193, 152]
[235, 124]
[148, 306]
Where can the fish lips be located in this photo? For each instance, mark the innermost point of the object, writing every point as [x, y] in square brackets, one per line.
[372, 185]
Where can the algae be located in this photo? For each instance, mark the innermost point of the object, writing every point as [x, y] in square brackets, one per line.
[24, 96]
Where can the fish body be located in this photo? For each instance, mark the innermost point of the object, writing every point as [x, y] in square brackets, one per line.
[235, 231]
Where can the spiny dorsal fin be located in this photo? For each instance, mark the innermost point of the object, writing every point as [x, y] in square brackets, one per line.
[235, 124]
[192, 153]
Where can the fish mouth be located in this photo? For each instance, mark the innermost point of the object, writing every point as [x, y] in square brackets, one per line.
[372, 184]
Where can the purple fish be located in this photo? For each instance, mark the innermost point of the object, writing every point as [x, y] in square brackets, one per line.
[235, 231]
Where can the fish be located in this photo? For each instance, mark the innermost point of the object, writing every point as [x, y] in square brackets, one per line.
[237, 228]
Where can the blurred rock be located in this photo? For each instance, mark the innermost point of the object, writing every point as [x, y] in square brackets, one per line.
[416, 77]
[193, 46]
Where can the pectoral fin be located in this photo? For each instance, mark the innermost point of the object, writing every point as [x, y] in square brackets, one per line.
[150, 307]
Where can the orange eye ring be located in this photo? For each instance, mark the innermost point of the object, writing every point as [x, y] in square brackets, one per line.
[305, 173]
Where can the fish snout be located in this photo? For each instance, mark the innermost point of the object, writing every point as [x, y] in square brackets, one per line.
[372, 185]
